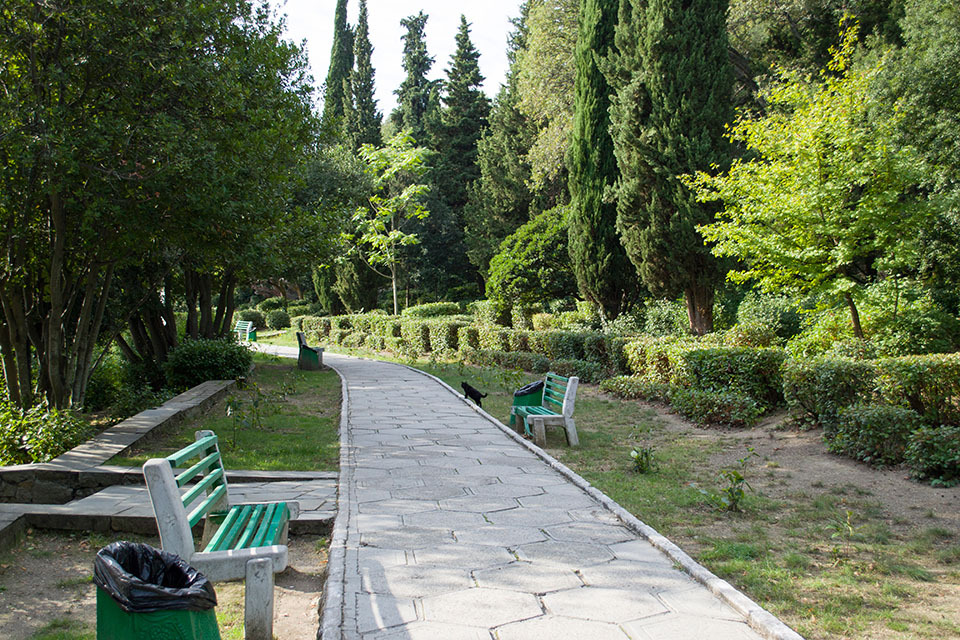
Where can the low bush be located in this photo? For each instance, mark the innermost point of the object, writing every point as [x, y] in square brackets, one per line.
[375, 342]
[587, 371]
[873, 433]
[39, 434]
[521, 316]
[750, 334]
[507, 359]
[254, 316]
[933, 454]
[493, 338]
[489, 313]
[665, 318]
[196, 361]
[778, 313]
[106, 383]
[468, 337]
[929, 384]
[816, 390]
[543, 321]
[634, 388]
[354, 340]
[416, 337]
[317, 328]
[753, 372]
[445, 335]
[431, 310]
[724, 408]
[271, 304]
[655, 359]
[278, 319]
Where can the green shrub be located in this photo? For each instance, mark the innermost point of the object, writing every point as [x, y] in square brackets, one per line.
[493, 338]
[105, 384]
[394, 344]
[816, 390]
[558, 345]
[519, 340]
[933, 454]
[873, 433]
[375, 342]
[489, 313]
[431, 310]
[508, 360]
[616, 353]
[316, 328]
[543, 321]
[754, 372]
[656, 359]
[777, 313]
[254, 316]
[854, 348]
[930, 385]
[271, 304]
[354, 340]
[587, 371]
[750, 334]
[725, 408]
[665, 318]
[521, 316]
[416, 337]
[445, 335]
[468, 337]
[634, 388]
[339, 336]
[625, 324]
[39, 434]
[196, 361]
[278, 319]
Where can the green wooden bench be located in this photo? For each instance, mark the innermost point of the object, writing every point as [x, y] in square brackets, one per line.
[241, 540]
[310, 358]
[246, 332]
[559, 397]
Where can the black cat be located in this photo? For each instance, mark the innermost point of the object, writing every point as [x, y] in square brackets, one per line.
[473, 394]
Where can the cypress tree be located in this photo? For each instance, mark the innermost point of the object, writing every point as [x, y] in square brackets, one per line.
[673, 98]
[415, 93]
[366, 126]
[462, 122]
[604, 273]
[341, 62]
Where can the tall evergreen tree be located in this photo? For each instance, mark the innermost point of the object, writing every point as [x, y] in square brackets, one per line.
[604, 273]
[673, 81]
[414, 94]
[366, 125]
[463, 120]
[341, 62]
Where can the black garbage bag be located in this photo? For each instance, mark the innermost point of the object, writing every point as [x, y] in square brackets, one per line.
[533, 387]
[142, 579]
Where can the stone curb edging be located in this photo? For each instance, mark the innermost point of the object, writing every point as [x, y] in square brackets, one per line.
[757, 617]
[334, 589]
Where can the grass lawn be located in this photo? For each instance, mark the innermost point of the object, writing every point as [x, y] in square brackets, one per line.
[283, 420]
[831, 559]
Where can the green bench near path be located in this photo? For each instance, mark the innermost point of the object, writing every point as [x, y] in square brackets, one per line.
[246, 332]
[556, 408]
[309, 358]
[241, 540]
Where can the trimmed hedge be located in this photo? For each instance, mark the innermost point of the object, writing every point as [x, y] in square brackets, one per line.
[634, 388]
[750, 371]
[873, 433]
[445, 335]
[507, 359]
[933, 454]
[278, 319]
[416, 337]
[468, 337]
[724, 408]
[196, 361]
[816, 390]
[928, 384]
[588, 372]
[254, 316]
[431, 310]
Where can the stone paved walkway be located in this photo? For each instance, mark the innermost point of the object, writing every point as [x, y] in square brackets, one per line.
[448, 528]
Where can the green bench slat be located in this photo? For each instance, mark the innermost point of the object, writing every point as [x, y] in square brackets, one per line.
[195, 470]
[227, 542]
[536, 411]
[207, 482]
[221, 533]
[192, 450]
[251, 529]
[276, 524]
[260, 539]
[202, 509]
[554, 376]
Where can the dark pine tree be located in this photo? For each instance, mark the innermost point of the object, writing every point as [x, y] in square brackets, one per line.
[499, 200]
[341, 62]
[365, 128]
[604, 273]
[673, 86]
[416, 92]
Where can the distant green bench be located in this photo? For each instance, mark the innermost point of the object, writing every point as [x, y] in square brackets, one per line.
[246, 332]
[243, 540]
[309, 358]
[559, 397]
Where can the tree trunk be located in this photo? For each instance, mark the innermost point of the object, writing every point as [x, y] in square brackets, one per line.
[169, 317]
[700, 309]
[190, 283]
[854, 315]
[230, 306]
[393, 282]
[204, 282]
[53, 342]
[10, 376]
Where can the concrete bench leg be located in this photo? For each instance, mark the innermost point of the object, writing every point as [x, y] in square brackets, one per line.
[571, 428]
[258, 600]
[539, 432]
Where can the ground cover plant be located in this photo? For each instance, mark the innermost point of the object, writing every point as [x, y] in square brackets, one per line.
[833, 548]
[280, 419]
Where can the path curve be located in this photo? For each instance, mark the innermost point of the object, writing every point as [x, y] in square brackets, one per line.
[449, 526]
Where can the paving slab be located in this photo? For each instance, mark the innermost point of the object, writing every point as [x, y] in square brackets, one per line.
[498, 539]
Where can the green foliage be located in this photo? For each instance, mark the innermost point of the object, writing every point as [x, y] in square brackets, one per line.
[272, 304]
[468, 338]
[778, 313]
[445, 335]
[38, 434]
[873, 433]
[655, 359]
[278, 319]
[816, 391]
[341, 61]
[416, 91]
[493, 338]
[930, 385]
[665, 318]
[416, 336]
[604, 273]
[642, 459]
[588, 371]
[516, 360]
[431, 309]
[365, 125]
[634, 388]
[731, 495]
[105, 384]
[744, 370]
[750, 334]
[254, 316]
[196, 361]
[725, 408]
[933, 454]
[532, 264]
[488, 312]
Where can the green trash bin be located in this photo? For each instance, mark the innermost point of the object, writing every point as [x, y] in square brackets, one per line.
[149, 594]
[530, 395]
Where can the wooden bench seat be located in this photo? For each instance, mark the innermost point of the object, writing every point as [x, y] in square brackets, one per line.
[556, 408]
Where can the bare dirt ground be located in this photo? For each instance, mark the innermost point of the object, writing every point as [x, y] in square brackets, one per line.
[47, 579]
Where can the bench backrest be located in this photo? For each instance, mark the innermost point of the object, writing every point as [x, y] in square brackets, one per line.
[301, 339]
[208, 495]
[560, 394]
[244, 325]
